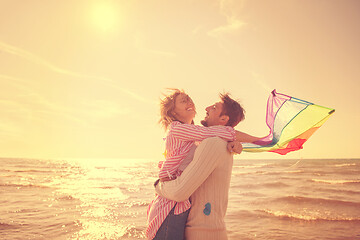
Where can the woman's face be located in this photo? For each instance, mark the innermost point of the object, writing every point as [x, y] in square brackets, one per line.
[184, 110]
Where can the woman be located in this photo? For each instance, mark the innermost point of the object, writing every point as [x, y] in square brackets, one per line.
[167, 218]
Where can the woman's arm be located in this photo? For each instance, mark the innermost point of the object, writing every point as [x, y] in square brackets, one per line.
[189, 132]
[244, 137]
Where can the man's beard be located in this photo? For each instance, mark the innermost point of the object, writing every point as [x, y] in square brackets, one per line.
[204, 123]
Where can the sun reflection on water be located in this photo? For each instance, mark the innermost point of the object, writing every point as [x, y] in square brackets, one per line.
[108, 192]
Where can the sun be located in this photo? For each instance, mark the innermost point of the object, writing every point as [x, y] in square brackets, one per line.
[105, 15]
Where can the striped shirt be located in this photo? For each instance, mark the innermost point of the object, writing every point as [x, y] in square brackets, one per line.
[179, 140]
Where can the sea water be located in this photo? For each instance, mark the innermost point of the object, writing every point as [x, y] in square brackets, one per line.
[108, 198]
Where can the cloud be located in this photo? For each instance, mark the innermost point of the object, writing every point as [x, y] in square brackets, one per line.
[4, 47]
[11, 115]
[161, 53]
[103, 109]
[35, 59]
[231, 9]
[9, 129]
[233, 25]
[18, 83]
[26, 105]
[139, 45]
[258, 79]
[30, 106]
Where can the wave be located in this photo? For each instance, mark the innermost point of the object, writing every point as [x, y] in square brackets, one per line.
[285, 172]
[259, 165]
[108, 187]
[294, 171]
[275, 184]
[345, 165]
[290, 172]
[251, 215]
[66, 198]
[131, 204]
[259, 185]
[307, 217]
[297, 200]
[339, 181]
[5, 226]
[252, 194]
[336, 191]
[32, 171]
[29, 185]
[134, 232]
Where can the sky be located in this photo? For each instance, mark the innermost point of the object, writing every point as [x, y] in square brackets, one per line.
[83, 79]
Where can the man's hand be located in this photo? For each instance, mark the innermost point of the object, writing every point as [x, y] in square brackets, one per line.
[234, 147]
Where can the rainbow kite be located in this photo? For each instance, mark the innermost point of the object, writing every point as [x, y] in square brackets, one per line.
[291, 122]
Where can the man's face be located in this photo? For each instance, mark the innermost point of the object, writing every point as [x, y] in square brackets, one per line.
[213, 117]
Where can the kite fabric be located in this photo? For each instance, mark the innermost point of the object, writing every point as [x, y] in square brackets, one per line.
[291, 122]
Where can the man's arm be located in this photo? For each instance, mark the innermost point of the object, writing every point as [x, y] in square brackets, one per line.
[208, 155]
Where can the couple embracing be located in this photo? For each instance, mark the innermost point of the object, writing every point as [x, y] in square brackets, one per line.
[194, 180]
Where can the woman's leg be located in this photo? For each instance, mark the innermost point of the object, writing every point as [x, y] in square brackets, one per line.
[173, 227]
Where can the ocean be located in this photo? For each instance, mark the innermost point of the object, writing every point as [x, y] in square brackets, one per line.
[108, 198]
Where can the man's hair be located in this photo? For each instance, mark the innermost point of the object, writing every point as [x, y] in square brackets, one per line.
[233, 109]
[167, 105]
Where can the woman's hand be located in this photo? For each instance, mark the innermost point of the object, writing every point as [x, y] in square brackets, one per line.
[234, 147]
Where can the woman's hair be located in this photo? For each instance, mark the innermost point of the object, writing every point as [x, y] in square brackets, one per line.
[167, 105]
[233, 109]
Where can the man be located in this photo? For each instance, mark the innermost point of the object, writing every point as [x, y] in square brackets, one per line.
[206, 180]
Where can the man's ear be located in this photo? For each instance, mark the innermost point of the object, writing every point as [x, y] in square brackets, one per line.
[224, 119]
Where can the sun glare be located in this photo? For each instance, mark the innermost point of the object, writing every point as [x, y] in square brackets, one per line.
[105, 15]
